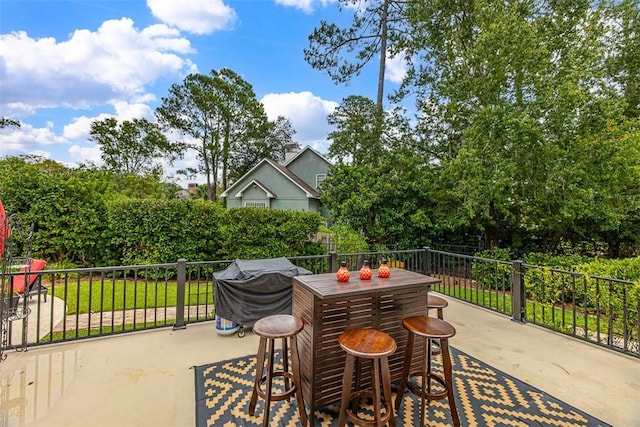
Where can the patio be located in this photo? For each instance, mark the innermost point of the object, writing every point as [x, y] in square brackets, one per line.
[144, 378]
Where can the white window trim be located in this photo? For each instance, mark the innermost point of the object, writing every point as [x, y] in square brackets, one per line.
[318, 175]
[264, 204]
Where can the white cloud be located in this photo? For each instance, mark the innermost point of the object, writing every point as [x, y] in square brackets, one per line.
[396, 68]
[116, 61]
[80, 126]
[194, 16]
[307, 112]
[28, 140]
[304, 5]
[307, 5]
[127, 111]
[16, 109]
[80, 154]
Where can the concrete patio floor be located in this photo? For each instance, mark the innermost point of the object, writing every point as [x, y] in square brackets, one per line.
[144, 378]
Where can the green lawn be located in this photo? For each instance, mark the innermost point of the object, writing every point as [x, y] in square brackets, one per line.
[544, 314]
[107, 329]
[95, 297]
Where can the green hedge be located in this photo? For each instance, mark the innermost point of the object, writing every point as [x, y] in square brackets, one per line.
[64, 206]
[264, 233]
[153, 232]
[162, 231]
[81, 218]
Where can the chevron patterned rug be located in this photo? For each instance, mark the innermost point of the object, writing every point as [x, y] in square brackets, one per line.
[485, 396]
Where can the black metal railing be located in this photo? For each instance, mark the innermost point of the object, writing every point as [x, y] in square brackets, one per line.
[91, 302]
[604, 311]
[481, 281]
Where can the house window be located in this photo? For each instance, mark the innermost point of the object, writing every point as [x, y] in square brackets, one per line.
[319, 178]
[253, 204]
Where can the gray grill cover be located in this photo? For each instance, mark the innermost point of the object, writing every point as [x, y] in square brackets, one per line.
[249, 290]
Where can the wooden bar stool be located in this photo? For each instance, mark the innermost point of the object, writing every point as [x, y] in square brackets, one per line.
[285, 327]
[431, 329]
[435, 302]
[438, 303]
[361, 343]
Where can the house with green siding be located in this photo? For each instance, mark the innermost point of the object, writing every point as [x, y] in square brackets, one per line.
[289, 186]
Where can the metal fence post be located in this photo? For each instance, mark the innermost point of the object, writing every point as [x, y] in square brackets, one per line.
[333, 262]
[426, 260]
[181, 279]
[518, 301]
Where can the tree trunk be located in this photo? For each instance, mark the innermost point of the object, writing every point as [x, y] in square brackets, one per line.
[383, 54]
[226, 146]
[207, 167]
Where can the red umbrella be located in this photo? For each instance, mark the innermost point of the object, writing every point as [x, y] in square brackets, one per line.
[5, 229]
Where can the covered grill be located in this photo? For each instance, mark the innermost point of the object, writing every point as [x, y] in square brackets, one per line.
[248, 290]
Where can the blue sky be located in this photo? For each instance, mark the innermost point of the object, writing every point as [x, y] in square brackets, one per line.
[64, 64]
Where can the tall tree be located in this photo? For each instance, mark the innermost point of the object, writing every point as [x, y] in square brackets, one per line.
[245, 125]
[281, 134]
[356, 138]
[344, 52]
[190, 108]
[509, 93]
[220, 116]
[132, 147]
[7, 122]
[623, 20]
[249, 152]
[377, 184]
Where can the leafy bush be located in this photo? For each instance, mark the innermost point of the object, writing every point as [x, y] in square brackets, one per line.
[563, 262]
[65, 207]
[620, 300]
[91, 217]
[264, 233]
[550, 285]
[614, 302]
[623, 269]
[162, 231]
[491, 273]
[347, 240]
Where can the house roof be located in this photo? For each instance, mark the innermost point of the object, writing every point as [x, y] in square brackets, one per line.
[309, 191]
[299, 153]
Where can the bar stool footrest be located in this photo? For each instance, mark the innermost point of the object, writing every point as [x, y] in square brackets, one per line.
[354, 402]
[417, 390]
[286, 394]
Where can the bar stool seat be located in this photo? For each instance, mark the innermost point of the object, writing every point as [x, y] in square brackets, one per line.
[361, 343]
[430, 329]
[437, 303]
[269, 329]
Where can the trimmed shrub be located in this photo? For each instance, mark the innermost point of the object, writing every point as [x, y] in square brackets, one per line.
[264, 233]
[162, 231]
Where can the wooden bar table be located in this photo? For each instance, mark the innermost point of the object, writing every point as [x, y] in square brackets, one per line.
[328, 307]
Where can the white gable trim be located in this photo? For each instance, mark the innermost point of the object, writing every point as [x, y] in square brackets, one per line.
[254, 183]
[274, 166]
[307, 147]
[226, 193]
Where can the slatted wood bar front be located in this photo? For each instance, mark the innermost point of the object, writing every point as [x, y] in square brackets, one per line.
[328, 307]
